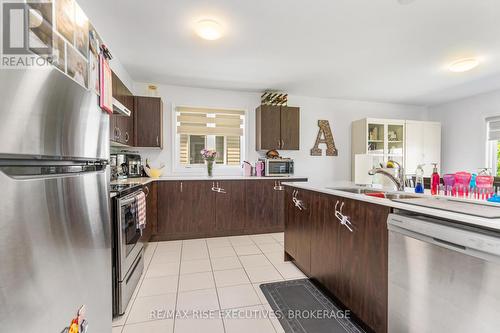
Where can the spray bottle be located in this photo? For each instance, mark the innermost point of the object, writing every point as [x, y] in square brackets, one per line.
[435, 180]
[419, 182]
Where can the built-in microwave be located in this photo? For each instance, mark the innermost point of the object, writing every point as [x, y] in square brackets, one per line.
[277, 167]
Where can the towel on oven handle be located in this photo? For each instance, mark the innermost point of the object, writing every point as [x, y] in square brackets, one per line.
[140, 200]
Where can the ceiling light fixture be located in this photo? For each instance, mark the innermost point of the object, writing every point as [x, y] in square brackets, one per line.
[463, 65]
[405, 2]
[208, 29]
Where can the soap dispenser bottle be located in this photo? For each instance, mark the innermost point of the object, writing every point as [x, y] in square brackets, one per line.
[419, 182]
[435, 180]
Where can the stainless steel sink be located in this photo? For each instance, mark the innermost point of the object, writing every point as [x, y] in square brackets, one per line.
[355, 190]
[361, 190]
[400, 196]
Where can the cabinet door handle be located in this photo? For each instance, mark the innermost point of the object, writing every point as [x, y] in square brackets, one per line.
[126, 137]
[181, 186]
[282, 144]
[118, 133]
[279, 144]
[157, 140]
[278, 186]
[146, 188]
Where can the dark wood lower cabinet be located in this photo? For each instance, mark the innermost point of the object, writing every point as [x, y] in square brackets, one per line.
[230, 208]
[191, 209]
[299, 226]
[264, 209]
[151, 211]
[185, 209]
[351, 265]
[326, 268]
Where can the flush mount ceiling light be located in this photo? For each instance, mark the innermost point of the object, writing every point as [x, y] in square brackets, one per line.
[463, 65]
[208, 29]
[405, 2]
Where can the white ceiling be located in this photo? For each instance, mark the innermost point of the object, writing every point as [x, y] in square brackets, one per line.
[374, 50]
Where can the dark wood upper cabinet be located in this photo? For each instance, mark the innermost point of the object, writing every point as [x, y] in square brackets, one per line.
[148, 121]
[268, 127]
[122, 127]
[230, 207]
[290, 128]
[277, 127]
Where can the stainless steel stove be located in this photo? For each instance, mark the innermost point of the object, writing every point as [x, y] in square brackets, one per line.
[128, 262]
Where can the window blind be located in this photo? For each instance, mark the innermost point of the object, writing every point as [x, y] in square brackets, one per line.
[204, 121]
[493, 128]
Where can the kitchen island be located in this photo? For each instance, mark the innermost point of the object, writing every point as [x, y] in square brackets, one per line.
[339, 238]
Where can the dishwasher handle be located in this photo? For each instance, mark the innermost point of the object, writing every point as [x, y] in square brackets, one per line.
[470, 241]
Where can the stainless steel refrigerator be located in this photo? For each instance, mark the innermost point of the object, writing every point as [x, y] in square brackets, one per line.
[55, 231]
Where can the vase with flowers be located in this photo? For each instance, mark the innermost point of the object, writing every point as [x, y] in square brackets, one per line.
[209, 157]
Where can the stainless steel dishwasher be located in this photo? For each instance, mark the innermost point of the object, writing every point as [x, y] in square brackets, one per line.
[443, 276]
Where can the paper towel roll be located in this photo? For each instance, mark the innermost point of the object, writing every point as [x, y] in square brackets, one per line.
[362, 164]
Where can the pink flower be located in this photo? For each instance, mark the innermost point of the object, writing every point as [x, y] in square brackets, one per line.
[208, 154]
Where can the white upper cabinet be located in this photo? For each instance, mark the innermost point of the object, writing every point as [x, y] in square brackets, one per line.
[407, 142]
[423, 146]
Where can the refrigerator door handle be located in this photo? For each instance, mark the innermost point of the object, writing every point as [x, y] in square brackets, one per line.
[44, 172]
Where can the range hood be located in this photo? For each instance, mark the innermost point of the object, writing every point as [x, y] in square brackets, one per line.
[119, 108]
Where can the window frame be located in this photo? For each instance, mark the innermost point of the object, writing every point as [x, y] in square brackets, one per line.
[492, 150]
[197, 169]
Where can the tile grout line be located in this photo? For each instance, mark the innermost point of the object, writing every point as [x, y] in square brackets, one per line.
[216, 289]
[137, 294]
[138, 287]
[246, 273]
[178, 287]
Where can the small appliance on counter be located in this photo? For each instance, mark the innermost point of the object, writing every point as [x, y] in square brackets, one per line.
[277, 167]
[125, 165]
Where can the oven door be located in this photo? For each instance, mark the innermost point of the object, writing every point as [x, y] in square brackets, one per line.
[279, 168]
[128, 234]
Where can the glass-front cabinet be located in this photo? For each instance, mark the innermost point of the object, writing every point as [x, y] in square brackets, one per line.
[381, 139]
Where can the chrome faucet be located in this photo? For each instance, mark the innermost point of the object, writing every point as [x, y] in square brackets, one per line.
[399, 181]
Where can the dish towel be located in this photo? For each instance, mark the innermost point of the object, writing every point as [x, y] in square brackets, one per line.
[140, 200]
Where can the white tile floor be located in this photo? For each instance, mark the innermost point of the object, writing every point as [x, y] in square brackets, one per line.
[219, 274]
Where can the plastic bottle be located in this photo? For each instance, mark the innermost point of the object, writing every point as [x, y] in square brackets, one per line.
[419, 182]
[435, 180]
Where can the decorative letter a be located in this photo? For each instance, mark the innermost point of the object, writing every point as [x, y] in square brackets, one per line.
[324, 136]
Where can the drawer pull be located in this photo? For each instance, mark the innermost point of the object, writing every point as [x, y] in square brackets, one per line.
[344, 219]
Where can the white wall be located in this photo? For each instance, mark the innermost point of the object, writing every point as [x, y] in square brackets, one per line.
[340, 113]
[463, 145]
[122, 73]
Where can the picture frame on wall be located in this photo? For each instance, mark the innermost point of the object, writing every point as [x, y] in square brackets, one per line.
[59, 53]
[77, 66]
[65, 19]
[94, 78]
[81, 31]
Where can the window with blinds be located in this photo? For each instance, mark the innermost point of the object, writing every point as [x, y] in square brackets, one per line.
[218, 129]
[493, 145]
[493, 128]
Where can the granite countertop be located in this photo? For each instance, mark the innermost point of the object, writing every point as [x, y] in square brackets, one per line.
[490, 223]
[147, 180]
